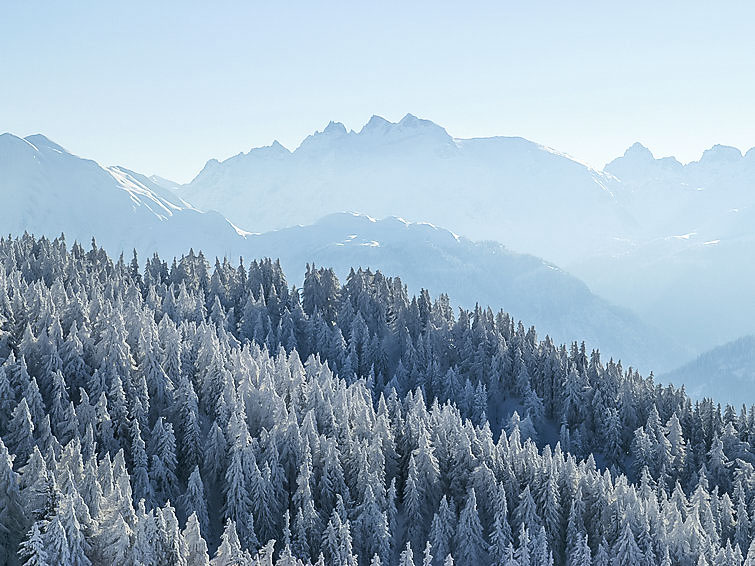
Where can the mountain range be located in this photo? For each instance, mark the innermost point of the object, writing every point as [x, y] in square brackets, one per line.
[530, 197]
[649, 234]
[50, 191]
[667, 243]
[688, 269]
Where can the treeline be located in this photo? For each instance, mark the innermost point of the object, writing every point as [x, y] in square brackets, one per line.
[170, 414]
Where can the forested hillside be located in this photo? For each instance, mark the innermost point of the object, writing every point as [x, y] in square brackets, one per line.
[184, 414]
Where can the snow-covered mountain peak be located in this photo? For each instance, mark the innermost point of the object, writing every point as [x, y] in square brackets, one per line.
[410, 125]
[639, 164]
[375, 133]
[10, 144]
[210, 170]
[36, 143]
[638, 151]
[331, 135]
[376, 123]
[637, 156]
[47, 190]
[33, 143]
[43, 142]
[278, 147]
[413, 168]
[720, 154]
[411, 121]
[378, 128]
[274, 150]
[334, 128]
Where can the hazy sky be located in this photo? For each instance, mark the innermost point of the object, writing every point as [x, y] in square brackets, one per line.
[161, 87]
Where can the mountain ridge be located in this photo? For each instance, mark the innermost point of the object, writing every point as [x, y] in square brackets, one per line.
[47, 190]
[721, 373]
[414, 169]
[126, 210]
[634, 231]
[529, 288]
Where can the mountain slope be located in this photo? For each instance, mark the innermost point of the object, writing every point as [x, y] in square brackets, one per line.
[49, 191]
[529, 288]
[723, 373]
[649, 234]
[696, 289]
[46, 190]
[507, 189]
[692, 266]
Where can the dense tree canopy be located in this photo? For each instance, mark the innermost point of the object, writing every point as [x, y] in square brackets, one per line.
[192, 415]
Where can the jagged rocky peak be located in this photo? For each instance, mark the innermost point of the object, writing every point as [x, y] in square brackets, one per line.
[638, 162]
[638, 151]
[376, 123]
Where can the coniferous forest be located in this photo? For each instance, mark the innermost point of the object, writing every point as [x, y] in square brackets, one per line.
[184, 413]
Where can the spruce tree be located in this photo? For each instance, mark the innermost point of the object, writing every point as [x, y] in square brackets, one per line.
[626, 552]
[470, 545]
[20, 435]
[194, 500]
[13, 522]
[32, 551]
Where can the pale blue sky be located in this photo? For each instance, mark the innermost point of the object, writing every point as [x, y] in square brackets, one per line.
[161, 87]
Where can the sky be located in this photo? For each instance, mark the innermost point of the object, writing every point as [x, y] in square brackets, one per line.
[161, 87]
